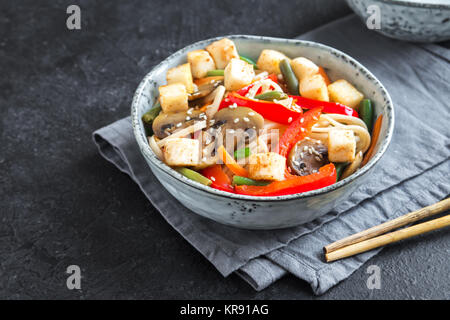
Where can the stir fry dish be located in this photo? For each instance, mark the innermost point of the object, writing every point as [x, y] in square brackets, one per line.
[272, 127]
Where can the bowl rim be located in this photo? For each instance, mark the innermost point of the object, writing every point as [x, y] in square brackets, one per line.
[409, 3]
[148, 153]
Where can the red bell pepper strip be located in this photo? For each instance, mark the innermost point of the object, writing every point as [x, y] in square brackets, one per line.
[298, 130]
[328, 107]
[298, 184]
[219, 178]
[246, 89]
[269, 110]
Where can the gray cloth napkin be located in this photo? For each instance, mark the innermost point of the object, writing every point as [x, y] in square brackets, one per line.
[413, 173]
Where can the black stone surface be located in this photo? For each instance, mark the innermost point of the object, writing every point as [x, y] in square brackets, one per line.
[63, 204]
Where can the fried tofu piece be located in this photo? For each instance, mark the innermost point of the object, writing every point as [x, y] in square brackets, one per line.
[173, 97]
[314, 87]
[201, 62]
[181, 74]
[269, 60]
[181, 152]
[266, 166]
[341, 145]
[238, 74]
[222, 52]
[304, 68]
[343, 92]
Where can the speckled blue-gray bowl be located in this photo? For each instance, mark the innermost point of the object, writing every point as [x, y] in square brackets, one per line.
[409, 20]
[264, 212]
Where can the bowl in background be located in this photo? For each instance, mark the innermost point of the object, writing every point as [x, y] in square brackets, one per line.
[264, 212]
[409, 20]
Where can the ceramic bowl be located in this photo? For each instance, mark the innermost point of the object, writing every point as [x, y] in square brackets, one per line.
[264, 212]
[410, 20]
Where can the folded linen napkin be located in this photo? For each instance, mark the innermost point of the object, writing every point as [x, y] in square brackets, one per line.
[413, 173]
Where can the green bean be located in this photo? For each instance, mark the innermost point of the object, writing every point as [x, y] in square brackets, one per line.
[149, 116]
[238, 180]
[194, 175]
[271, 95]
[242, 153]
[249, 61]
[289, 77]
[339, 169]
[366, 113]
[215, 73]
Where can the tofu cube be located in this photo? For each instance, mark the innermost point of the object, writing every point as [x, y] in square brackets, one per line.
[304, 68]
[181, 74]
[201, 62]
[238, 74]
[341, 145]
[266, 166]
[173, 98]
[343, 92]
[182, 152]
[222, 52]
[314, 87]
[269, 60]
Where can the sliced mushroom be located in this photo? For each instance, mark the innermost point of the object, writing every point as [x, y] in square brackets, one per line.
[205, 86]
[307, 156]
[167, 123]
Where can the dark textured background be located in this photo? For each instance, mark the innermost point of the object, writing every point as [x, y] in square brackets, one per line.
[63, 204]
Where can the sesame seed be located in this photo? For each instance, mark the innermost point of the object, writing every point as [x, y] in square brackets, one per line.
[189, 111]
[213, 179]
[251, 113]
[305, 148]
[179, 124]
[307, 138]
[188, 118]
[317, 158]
[310, 151]
[290, 119]
[246, 119]
[302, 129]
[236, 120]
[211, 122]
[302, 120]
[301, 155]
[231, 131]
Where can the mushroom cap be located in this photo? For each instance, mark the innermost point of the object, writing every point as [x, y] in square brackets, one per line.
[307, 156]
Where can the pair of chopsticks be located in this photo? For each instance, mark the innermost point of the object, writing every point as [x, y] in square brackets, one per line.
[374, 237]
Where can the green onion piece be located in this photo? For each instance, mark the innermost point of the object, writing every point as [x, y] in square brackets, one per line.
[366, 113]
[215, 73]
[149, 116]
[249, 61]
[271, 95]
[289, 77]
[238, 180]
[339, 169]
[242, 153]
[194, 175]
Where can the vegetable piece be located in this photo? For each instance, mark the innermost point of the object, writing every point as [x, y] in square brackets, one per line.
[173, 97]
[314, 87]
[215, 73]
[269, 61]
[340, 166]
[294, 184]
[366, 113]
[181, 152]
[328, 107]
[246, 89]
[212, 109]
[181, 74]
[307, 156]
[149, 117]
[375, 136]
[184, 132]
[353, 166]
[155, 148]
[249, 61]
[231, 163]
[325, 76]
[303, 68]
[247, 119]
[271, 95]
[298, 130]
[343, 92]
[266, 166]
[242, 153]
[219, 178]
[289, 77]
[238, 181]
[222, 52]
[238, 74]
[205, 86]
[168, 122]
[201, 62]
[269, 110]
[194, 175]
[341, 145]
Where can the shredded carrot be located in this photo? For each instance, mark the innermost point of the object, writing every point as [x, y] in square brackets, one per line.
[375, 136]
[324, 75]
[231, 163]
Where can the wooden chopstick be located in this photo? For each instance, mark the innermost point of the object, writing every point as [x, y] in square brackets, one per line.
[365, 240]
